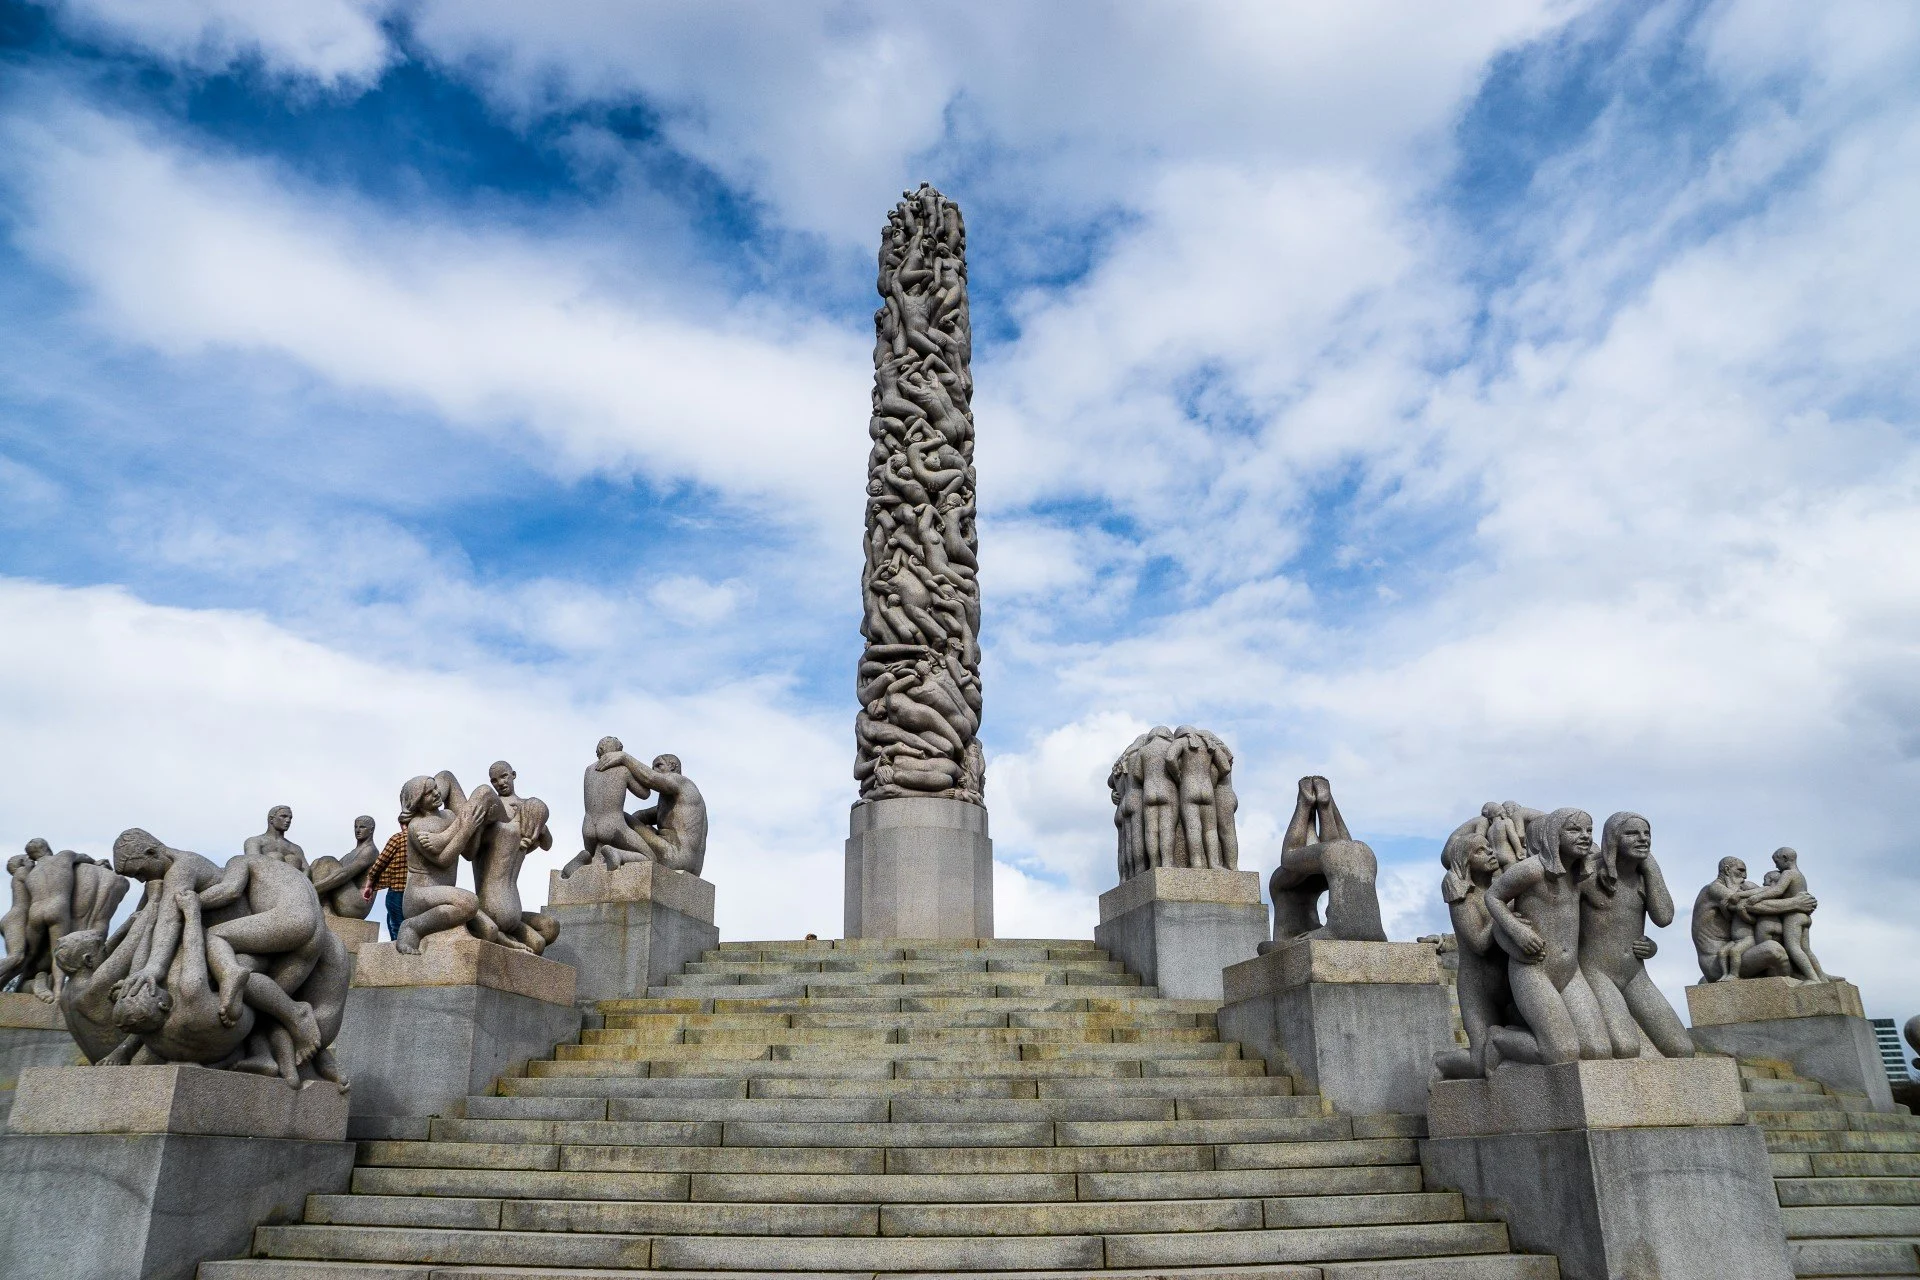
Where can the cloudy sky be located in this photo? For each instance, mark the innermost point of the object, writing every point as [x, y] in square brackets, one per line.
[1466, 402]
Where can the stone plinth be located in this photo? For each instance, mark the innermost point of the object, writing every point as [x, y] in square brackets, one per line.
[32, 1034]
[1817, 1028]
[354, 933]
[1361, 1021]
[625, 930]
[142, 1173]
[1635, 1167]
[1178, 927]
[422, 1032]
[919, 867]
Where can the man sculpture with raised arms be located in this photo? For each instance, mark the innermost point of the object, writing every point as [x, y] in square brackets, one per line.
[672, 832]
[273, 842]
[503, 847]
[1319, 855]
[342, 882]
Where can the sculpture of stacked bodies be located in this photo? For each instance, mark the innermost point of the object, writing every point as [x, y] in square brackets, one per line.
[342, 882]
[1174, 803]
[54, 894]
[494, 828]
[1552, 943]
[672, 832]
[919, 676]
[1319, 855]
[1743, 930]
[228, 967]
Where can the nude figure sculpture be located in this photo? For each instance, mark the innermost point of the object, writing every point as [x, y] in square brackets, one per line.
[672, 832]
[444, 825]
[1536, 907]
[1782, 891]
[341, 882]
[1726, 941]
[54, 894]
[1174, 803]
[502, 848]
[273, 842]
[1319, 855]
[1620, 891]
[1486, 999]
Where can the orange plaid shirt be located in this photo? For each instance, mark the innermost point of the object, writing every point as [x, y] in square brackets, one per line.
[390, 868]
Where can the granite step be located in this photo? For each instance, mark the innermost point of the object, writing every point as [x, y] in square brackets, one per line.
[1849, 1140]
[878, 1109]
[1854, 1257]
[1795, 1192]
[1808, 1222]
[1498, 1266]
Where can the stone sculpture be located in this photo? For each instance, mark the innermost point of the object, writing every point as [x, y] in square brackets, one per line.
[228, 967]
[443, 825]
[273, 842]
[1743, 930]
[54, 895]
[672, 832]
[919, 676]
[1174, 802]
[1480, 966]
[341, 882]
[1319, 855]
[502, 847]
[1621, 890]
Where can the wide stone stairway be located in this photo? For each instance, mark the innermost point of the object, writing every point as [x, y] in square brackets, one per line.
[880, 1107]
[1848, 1177]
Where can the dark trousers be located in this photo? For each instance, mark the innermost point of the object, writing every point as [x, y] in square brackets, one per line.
[395, 916]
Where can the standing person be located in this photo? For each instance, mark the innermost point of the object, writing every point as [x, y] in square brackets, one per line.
[389, 872]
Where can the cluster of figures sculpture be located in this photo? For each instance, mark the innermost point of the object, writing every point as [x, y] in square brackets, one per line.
[672, 831]
[1551, 936]
[919, 674]
[1743, 930]
[1173, 802]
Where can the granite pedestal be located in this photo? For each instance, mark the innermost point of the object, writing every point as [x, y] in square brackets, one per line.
[918, 867]
[1817, 1028]
[1361, 1021]
[32, 1034]
[355, 934]
[625, 930]
[422, 1032]
[1178, 927]
[143, 1173]
[1620, 1168]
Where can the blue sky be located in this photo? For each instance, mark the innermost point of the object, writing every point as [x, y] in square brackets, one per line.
[1513, 402]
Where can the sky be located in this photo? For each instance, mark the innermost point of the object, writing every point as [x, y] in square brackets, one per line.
[1516, 400]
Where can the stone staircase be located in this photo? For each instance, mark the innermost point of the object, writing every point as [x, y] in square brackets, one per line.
[859, 1108]
[1848, 1177]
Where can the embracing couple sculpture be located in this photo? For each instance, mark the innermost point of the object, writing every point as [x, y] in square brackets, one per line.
[494, 828]
[671, 832]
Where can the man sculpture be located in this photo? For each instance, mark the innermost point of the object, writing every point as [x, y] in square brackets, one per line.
[1743, 930]
[54, 895]
[443, 825]
[1174, 802]
[1319, 855]
[503, 846]
[672, 832]
[342, 882]
[273, 842]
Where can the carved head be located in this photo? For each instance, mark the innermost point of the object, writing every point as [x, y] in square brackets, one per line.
[666, 764]
[137, 855]
[1468, 855]
[1626, 835]
[363, 828]
[80, 953]
[18, 863]
[1561, 839]
[501, 775]
[38, 848]
[1772, 877]
[607, 746]
[279, 818]
[1783, 857]
[143, 1009]
[1733, 871]
[420, 795]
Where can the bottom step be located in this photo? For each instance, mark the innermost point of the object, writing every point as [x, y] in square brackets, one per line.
[1464, 1267]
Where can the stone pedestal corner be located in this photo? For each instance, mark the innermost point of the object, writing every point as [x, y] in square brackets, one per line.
[424, 1032]
[1360, 1021]
[625, 930]
[143, 1173]
[1179, 927]
[1625, 1167]
[1817, 1028]
[918, 867]
[32, 1034]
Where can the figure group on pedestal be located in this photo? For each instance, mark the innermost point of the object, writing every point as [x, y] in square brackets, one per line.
[54, 895]
[672, 831]
[919, 677]
[494, 828]
[1744, 930]
[1174, 803]
[1552, 942]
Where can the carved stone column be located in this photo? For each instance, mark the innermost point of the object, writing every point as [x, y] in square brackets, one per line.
[919, 863]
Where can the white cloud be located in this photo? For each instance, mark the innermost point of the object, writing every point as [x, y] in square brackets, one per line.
[332, 41]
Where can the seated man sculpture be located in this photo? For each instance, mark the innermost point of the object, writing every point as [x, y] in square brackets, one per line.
[342, 882]
[1319, 855]
[672, 832]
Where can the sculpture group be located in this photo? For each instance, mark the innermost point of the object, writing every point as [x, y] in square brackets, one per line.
[1173, 802]
[919, 675]
[672, 831]
[1551, 935]
[1744, 930]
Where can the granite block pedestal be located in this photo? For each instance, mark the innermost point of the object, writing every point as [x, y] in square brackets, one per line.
[355, 934]
[143, 1173]
[1360, 1020]
[32, 1034]
[1178, 927]
[918, 867]
[1817, 1028]
[1620, 1168]
[422, 1032]
[625, 930]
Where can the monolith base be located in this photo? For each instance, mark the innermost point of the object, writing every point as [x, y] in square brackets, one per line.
[137, 1173]
[422, 1032]
[626, 929]
[919, 867]
[1638, 1167]
[32, 1034]
[1360, 1020]
[1178, 927]
[1817, 1028]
